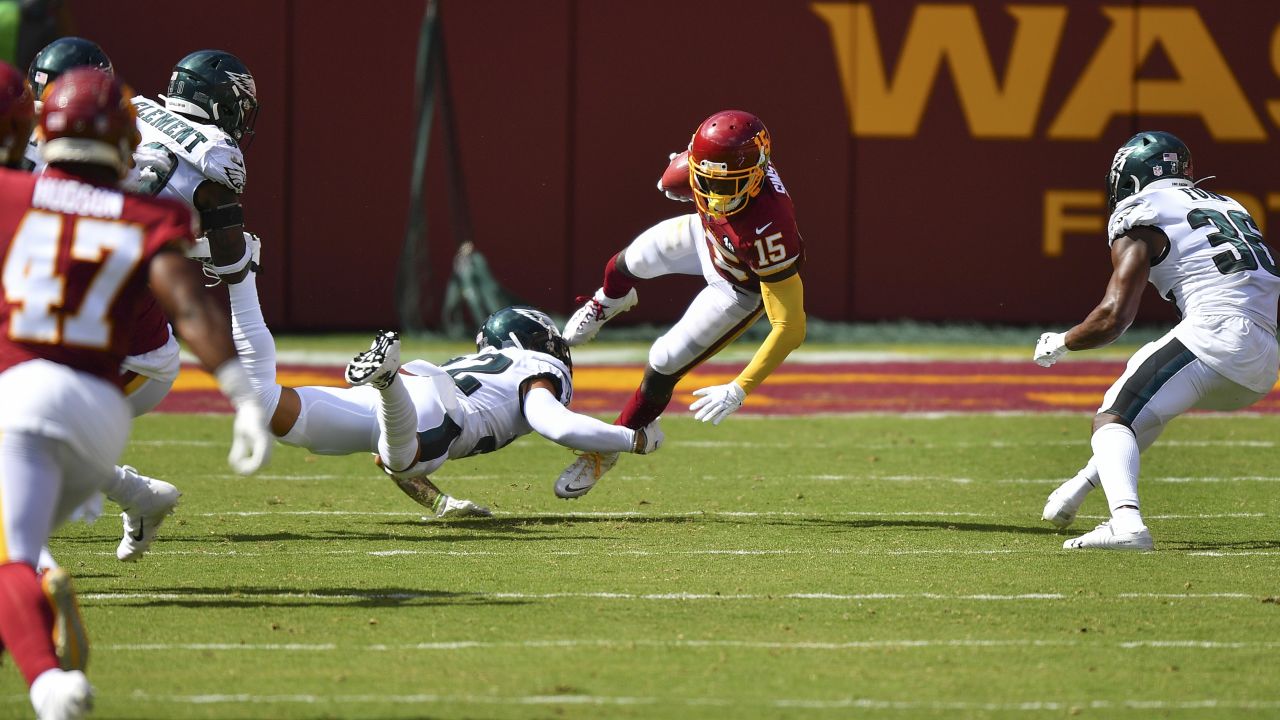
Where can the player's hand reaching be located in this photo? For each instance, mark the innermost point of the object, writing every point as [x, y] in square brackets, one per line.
[251, 441]
[1050, 349]
[717, 402]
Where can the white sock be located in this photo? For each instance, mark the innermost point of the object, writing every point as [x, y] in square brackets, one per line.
[1083, 483]
[398, 423]
[123, 484]
[254, 344]
[46, 561]
[1115, 453]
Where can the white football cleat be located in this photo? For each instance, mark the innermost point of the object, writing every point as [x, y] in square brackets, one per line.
[145, 507]
[451, 507]
[1061, 507]
[599, 309]
[70, 641]
[1104, 537]
[61, 695]
[578, 479]
[378, 365]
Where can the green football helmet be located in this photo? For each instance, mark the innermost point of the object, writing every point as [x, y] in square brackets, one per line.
[1146, 158]
[214, 87]
[524, 327]
[60, 56]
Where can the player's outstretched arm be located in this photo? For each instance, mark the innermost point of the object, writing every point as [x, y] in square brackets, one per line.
[203, 324]
[1131, 265]
[784, 305]
[563, 426]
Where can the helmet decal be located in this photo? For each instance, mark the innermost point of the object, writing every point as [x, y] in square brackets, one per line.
[244, 82]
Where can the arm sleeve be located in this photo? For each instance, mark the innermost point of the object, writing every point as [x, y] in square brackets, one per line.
[784, 304]
[563, 426]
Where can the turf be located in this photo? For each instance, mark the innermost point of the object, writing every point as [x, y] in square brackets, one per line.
[870, 566]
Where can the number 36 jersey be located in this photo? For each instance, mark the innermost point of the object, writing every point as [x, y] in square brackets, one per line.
[1215, 262]
[490, 403]
[1219, 274]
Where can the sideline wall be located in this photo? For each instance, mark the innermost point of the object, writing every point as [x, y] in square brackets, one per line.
[946, 159]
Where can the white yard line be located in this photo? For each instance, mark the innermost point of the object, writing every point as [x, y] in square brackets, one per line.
[661, 597]
[625, 514]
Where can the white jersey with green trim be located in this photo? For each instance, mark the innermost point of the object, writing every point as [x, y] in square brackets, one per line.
[489, 404]
[1218, 273]
[200, 152]
[1216, 262]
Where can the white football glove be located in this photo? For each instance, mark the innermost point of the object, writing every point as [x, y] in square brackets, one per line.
[251, 441]
[1050, 348]
[717, 402]
[648, 439]
[451, 507]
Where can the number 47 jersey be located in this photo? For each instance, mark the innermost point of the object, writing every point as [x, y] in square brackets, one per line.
[75, 258]
[1219, 274]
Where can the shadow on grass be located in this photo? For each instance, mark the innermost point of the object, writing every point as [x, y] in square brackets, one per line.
[1208, 545]
[254, 596]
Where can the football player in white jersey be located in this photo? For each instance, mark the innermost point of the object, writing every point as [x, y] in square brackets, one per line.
[520, 380]
[1204, 253]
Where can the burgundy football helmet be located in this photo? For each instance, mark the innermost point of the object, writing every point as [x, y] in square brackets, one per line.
[727, 158]
[88, 118]
[17, 115]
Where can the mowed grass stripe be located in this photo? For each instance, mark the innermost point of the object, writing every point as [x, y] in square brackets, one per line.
[871, 704]
[465, 645]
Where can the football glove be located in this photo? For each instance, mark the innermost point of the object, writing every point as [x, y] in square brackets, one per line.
[251, 441]
[717, 402]
[1050, 349]
[648, 439]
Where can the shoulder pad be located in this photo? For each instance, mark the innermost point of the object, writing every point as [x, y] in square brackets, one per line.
[224, 163]
[1133, 211]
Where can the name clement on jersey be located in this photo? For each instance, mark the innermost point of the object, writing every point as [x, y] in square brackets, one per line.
[169, 124]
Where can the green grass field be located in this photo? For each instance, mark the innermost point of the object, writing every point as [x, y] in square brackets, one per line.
[768, 568]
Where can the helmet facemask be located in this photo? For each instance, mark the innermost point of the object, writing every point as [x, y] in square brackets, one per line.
[721, 190]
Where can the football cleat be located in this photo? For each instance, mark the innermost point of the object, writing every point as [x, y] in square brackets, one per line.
[378, 365]
[598, 309]
[1062, 506]
[145, 507]
[1104, 537]
[578, 479]
[61, 695]
[70, 642]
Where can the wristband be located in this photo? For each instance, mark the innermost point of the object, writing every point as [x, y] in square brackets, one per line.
[234, 382]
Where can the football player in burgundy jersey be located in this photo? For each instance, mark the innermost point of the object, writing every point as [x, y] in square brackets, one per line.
[78, 255]
[152, 363]
[743, 240]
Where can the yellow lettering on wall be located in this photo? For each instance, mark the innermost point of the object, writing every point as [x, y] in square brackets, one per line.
[1273, 106]
[880, 107]
[1204, 87]
[1058, 223]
